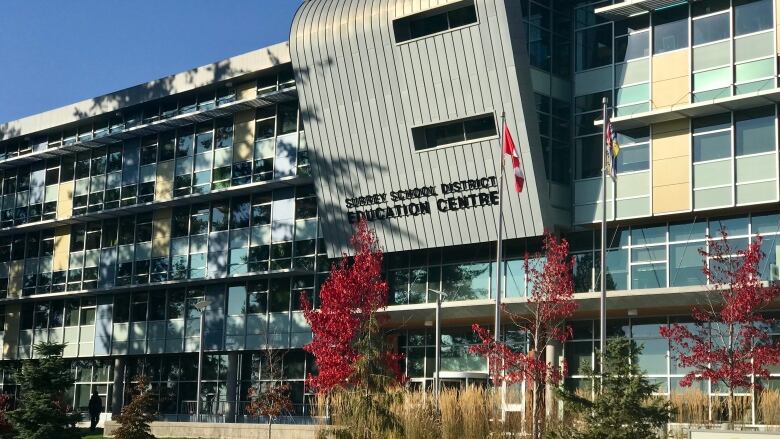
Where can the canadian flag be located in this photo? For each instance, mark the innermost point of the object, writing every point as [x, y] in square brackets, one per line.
[511, 150]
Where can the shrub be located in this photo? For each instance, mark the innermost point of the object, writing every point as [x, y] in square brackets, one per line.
[136, 416]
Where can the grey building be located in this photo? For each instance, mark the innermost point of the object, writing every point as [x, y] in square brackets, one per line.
[237, 181]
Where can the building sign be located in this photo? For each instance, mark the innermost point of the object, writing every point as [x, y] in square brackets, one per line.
[447, 197]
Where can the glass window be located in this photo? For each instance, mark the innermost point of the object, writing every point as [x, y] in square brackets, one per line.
[709, 145]
[633, 158]
[628, 47]
[427, 23]
[219, 217]
[751, 71]
[653, 357]
[588, 150]
[648, 235]
[752, 16]
[670, 29]
[236, 300]
[755, 130]
[594, 47]
[709, 7]
[765, 223]
[686, 231]
[712, 79]
[617, 269]
[431, 136]
[712, 28]
[685, 264]
[287, 118]
[466, 281]
[633, 94]
[648, 276]
[712, 146]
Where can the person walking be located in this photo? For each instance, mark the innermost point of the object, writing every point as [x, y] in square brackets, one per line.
[95, 408]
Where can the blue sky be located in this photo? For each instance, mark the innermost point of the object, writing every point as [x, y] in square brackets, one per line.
[57, 52]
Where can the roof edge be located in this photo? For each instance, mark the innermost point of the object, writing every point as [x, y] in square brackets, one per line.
[226, 69]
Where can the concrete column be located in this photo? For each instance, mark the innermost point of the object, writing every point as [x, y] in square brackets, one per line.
[553, 352]
[232, 383]
[119, 387]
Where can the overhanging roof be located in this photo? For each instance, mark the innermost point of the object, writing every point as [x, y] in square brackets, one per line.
[629, 8]
[697, 109]
[236, 68]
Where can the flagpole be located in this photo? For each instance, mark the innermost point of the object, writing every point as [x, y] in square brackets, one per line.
[603, 259]
[499, 242]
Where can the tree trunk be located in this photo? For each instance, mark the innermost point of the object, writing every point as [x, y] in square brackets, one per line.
[537, 413]
[269, 426]
[731, 408]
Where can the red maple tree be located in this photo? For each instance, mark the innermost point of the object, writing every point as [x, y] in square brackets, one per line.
[729, 341]
[348, 346]
[550, 304]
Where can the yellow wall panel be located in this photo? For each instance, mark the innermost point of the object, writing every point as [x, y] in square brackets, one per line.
[65, 200]
[670, 144]
[671, 166]
[163, 186]
[670, 171]
[243, 135]
[15, 277]
[674, 198]
[61, 248]
[247, 90]
[671, 79]
[11, 336]
[161, 232]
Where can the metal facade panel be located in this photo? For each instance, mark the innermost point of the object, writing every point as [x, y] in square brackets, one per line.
[361, 94]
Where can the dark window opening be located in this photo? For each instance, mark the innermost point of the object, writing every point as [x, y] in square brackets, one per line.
[434, 21]
[462, 130]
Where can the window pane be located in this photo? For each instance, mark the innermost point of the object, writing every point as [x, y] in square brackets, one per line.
[752, 16]
[632, 46]
[633, 94]
[648, 276]
[686, 264]
[712, 28]
[712, 146]
[428, 25]
[588, 151]
[633, 158]
[712, 123]
[648, 235]
[711, 79]
[653, 357]
[466, 281]
[617, 269]
[755, 131]
[755, 70]
[479, 128]
[594, 47]
[670, 30]
[462, 16]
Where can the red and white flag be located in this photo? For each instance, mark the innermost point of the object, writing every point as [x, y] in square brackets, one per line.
[511, 150]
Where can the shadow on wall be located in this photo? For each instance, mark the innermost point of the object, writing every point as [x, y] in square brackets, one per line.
[340, 175]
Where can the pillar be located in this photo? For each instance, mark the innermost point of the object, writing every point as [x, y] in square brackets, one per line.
[232, 383]
[117, 399]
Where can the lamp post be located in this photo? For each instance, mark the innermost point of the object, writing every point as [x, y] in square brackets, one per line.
[200, 306]
[437, 357]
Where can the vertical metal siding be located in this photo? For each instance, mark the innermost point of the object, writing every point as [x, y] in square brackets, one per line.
[361, 94]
